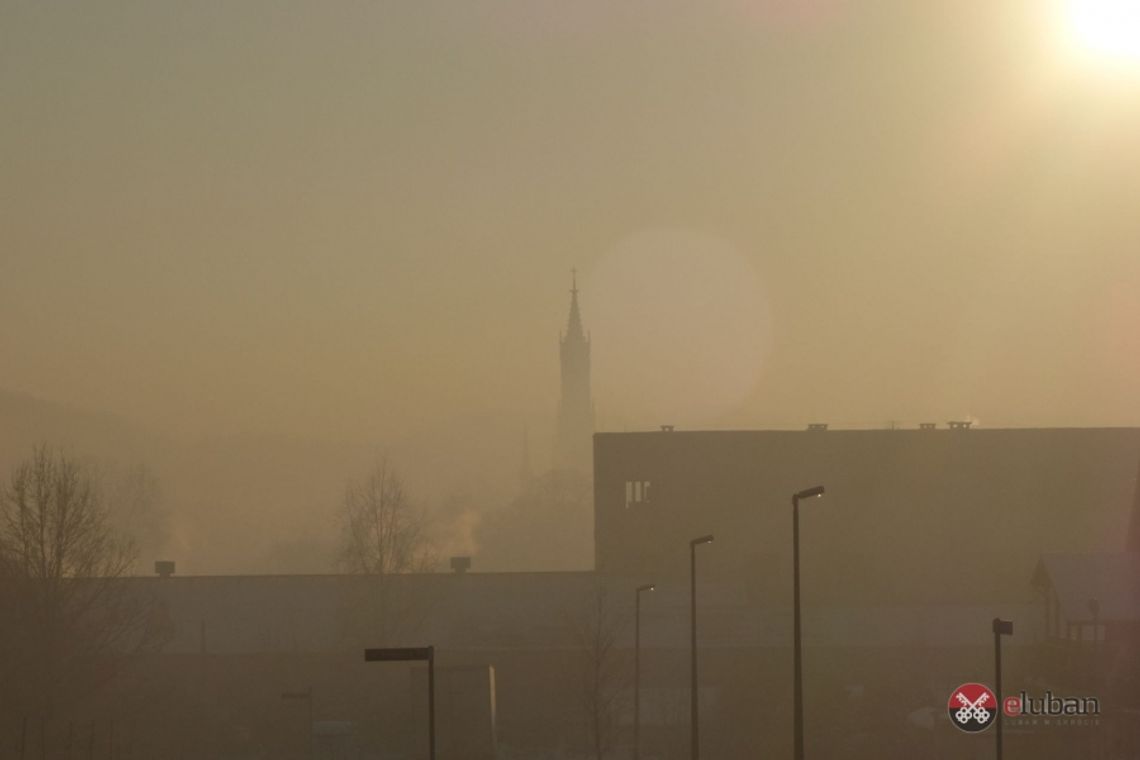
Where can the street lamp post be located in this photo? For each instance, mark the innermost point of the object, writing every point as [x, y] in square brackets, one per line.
[798, 683]
[1001, 628]
[637, 669]
[694, 713]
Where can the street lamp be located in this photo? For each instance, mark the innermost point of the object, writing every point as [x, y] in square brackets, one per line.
[798, 684]
[637, 669]
[306, 695]
[694, 718]
[1001, 628]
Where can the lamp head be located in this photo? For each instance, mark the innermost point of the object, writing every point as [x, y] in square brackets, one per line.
[809, 493]
[702, 540]
[647, 587]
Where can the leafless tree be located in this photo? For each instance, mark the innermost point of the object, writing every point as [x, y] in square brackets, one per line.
[383, 535]
[68, 612]
[604, 675]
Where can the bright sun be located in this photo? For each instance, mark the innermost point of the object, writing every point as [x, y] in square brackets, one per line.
[1105, 28]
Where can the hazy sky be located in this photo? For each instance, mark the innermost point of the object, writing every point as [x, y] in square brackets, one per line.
[357, 219]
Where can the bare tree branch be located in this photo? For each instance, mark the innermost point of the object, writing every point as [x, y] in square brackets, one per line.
[383, 535]
[61, 571]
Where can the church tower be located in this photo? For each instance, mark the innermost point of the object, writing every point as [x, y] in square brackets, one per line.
[573, 447]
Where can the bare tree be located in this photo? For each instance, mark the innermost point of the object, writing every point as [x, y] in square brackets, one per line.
[61, 567]
[383, 535]
[605, 678]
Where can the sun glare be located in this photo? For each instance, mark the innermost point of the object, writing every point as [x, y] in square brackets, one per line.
[1107, 29]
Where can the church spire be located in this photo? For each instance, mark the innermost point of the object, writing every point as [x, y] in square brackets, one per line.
[574, 322]
[575, 407]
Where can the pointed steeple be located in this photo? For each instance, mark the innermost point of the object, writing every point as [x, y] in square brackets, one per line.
[575, 408]
[574, 322]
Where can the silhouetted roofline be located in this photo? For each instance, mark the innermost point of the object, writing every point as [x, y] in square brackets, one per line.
[343, 576]
[849, 431]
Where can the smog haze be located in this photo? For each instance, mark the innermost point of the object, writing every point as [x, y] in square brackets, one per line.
[328, 233]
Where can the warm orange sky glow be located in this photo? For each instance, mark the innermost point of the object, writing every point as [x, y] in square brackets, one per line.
[356, 220]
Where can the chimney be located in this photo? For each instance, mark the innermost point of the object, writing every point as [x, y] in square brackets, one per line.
[164, 568]
[460, 565]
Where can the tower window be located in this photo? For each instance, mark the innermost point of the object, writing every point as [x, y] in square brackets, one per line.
[636, 492]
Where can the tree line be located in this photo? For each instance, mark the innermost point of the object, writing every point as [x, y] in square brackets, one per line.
[73, 620]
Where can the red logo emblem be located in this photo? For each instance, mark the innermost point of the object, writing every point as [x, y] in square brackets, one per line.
[972, 707]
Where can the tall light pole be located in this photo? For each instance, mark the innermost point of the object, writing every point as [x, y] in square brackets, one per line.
[637, 669]
[694, 713]
[798, 680]
[1001, 628]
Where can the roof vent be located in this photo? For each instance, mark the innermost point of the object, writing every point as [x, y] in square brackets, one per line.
[666, 428]
[817, 426]
[460, 565]
[960, 424]
[164, 568]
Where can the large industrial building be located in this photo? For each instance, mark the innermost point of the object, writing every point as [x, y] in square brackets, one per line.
[921, 539]
[910, 517]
